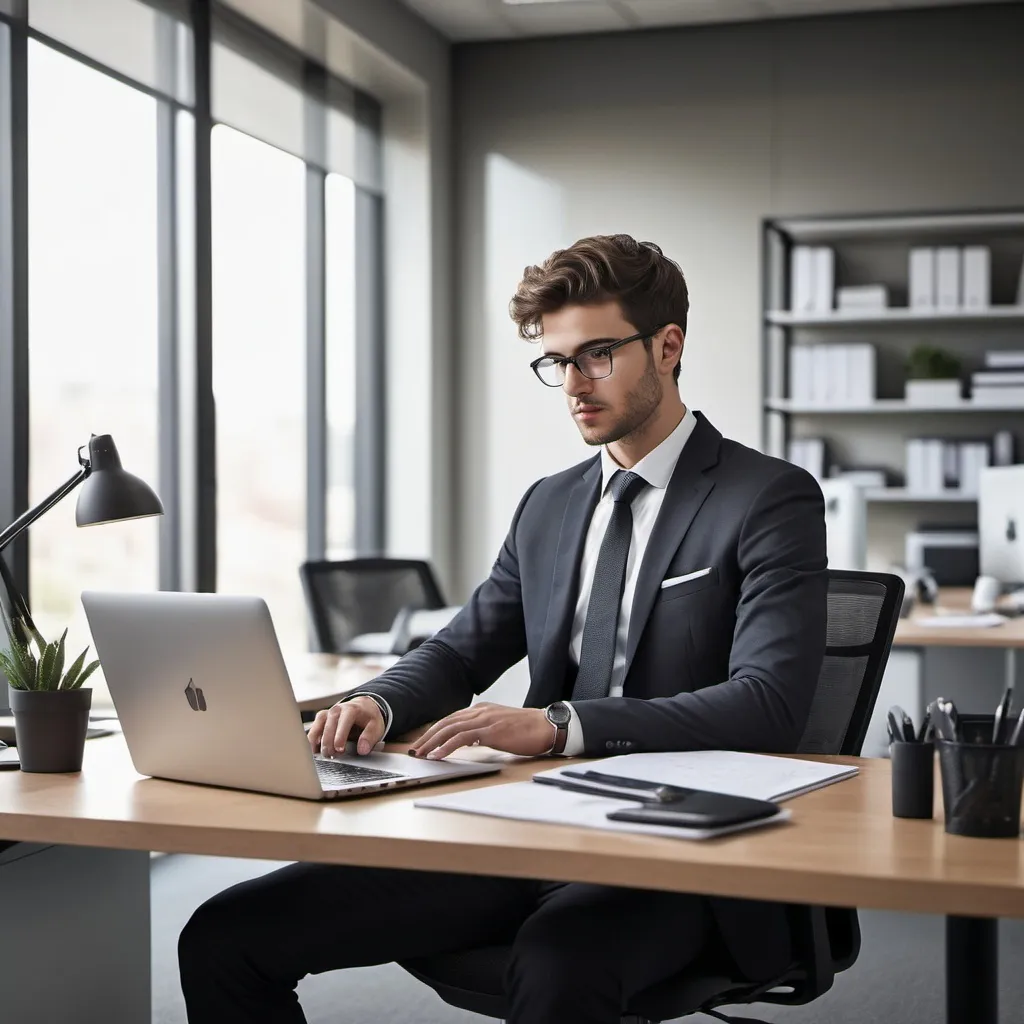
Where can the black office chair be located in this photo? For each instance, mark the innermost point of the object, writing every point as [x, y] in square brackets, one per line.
[358, 596]
[863, 609]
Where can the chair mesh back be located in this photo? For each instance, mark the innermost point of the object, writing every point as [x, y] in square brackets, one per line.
[856, 640]
[348, 599]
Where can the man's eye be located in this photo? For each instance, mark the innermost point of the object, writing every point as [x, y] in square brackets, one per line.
[596, 353]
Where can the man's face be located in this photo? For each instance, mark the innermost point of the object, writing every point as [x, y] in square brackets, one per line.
[613, 407]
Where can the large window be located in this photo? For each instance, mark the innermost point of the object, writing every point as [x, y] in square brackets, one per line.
[259, 367]
[179, 189]
[93, 323]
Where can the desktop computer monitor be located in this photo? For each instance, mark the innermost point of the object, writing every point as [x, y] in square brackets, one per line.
[1001, 523]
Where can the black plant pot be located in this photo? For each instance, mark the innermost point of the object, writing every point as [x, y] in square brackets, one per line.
[50, 728]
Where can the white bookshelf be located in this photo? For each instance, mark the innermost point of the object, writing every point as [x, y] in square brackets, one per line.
[885, 406]
[875, 250]
[895, 315]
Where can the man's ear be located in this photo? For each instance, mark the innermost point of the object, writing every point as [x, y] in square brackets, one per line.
[672, 341]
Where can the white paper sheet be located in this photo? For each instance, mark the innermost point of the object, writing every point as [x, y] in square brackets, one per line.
[527, 801]
[723, 771]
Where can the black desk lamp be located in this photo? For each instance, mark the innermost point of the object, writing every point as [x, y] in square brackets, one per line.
[109, 494]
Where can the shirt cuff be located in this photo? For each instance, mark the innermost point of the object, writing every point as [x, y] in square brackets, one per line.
[385, 707]
[574, 740]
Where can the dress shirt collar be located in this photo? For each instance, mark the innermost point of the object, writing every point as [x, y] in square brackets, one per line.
[657, 466]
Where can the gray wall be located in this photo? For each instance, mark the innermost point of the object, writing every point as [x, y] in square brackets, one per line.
[689, 138]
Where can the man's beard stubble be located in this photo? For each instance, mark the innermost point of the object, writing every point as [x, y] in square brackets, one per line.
[641, 404]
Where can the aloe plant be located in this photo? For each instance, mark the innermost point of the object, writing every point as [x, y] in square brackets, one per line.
[42, 668]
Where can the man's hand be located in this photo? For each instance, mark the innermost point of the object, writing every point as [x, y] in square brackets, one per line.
[525, 731]
[360, 717]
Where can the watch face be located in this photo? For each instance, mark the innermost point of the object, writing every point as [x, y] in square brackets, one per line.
[559, 714]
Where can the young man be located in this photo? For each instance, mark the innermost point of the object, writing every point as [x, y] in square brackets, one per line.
[669, 593]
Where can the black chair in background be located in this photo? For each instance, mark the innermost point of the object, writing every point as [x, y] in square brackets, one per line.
[863, 609]
[359, 596]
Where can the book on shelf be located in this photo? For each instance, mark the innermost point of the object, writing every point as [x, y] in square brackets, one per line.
[1001, 394]
[998, 378]
[1006, 360]
[855, 298]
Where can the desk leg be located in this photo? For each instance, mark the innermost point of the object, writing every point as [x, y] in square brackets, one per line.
[972, 970]
[1010, 669]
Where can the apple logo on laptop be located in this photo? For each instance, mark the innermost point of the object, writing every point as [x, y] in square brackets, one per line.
[194, 696]
[1011, 529]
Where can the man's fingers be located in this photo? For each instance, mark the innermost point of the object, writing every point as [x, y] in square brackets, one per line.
[463, 738]
[316, 730]
[458, 719]
[349, 716]
[372, 732]
[444, 735]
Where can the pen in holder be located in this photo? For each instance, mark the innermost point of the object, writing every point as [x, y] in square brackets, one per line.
[981, 788]
[913, 779]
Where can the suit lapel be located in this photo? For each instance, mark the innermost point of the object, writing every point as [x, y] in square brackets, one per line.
[686, 492]
[565, 575]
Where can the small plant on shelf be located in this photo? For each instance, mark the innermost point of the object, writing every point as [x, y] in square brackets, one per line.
[933, 377]
[927, 362]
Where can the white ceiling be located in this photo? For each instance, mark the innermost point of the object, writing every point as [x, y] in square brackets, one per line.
[471, 20]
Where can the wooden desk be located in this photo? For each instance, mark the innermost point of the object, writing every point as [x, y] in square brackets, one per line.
[956, 601]
[843, 847]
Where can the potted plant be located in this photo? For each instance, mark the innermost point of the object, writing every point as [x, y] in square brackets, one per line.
[50, 705]
[933, 377]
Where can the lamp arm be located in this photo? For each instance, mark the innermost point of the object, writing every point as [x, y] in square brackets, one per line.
[26, 519]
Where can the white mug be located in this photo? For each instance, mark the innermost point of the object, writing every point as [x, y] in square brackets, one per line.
[986, 592]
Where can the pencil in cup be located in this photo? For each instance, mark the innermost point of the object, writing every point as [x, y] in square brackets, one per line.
[981, 788]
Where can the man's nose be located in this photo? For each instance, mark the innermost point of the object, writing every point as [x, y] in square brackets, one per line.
[576, 383]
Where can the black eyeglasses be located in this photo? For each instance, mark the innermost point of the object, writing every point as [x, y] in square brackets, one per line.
[595, 363]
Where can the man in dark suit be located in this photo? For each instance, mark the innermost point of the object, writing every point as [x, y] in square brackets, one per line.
[669, 594]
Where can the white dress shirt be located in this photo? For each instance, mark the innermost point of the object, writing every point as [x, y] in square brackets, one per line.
[656, 468]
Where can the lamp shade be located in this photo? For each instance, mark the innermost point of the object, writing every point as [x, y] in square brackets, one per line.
[109, 493]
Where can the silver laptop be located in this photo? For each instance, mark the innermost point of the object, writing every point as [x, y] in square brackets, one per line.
[203, 695]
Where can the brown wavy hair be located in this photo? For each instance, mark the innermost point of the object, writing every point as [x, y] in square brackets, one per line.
[648, 286]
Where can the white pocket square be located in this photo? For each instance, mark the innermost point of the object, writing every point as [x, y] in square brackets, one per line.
[683, 579]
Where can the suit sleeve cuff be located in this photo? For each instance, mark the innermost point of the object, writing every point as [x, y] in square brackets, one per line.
[574, 740]
[385, 707]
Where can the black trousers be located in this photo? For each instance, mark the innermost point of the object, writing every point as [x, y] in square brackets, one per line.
[580, 951]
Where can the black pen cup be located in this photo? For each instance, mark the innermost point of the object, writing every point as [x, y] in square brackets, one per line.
[913, 779]
[981, 788]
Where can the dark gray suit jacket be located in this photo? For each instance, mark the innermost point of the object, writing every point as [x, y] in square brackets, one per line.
[727, 661]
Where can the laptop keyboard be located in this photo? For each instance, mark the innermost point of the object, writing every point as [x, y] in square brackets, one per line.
[343, 773]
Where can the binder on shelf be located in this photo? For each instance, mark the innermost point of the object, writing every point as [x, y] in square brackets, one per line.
[800, 389]
[977, 288]
[947, 278]
[1003, 448]
[801, 279]
[824, 278]
[821, 379]
[922, 278]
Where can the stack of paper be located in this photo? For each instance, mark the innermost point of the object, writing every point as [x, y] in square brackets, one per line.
[755, 775]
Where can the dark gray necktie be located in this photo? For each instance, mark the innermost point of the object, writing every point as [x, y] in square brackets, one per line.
[598, 649]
